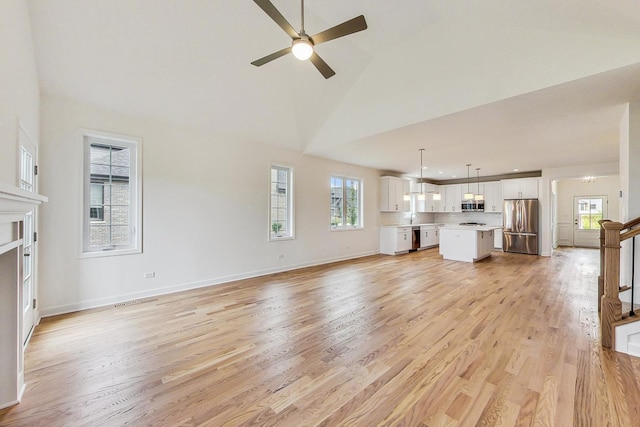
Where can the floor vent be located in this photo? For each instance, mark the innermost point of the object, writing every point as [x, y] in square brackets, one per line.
[127, 303]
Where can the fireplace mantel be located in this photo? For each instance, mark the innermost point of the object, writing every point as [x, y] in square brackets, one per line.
[14, 205]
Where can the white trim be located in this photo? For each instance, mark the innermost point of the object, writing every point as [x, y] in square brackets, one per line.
[101, 302]
[339, 229]
[135, 143]
[15, 202]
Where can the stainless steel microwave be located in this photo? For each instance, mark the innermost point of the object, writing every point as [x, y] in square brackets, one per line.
[473, 206]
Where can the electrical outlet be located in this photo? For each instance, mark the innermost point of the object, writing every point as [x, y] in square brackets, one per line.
[150, 275]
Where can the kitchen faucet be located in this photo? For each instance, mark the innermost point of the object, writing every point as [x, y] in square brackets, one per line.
[411, 219]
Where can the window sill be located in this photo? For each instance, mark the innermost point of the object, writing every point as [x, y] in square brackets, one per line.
[346, 228]
[108, 253]
[279, 238]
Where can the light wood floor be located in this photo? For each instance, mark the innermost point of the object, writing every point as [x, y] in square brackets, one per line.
[396, 341]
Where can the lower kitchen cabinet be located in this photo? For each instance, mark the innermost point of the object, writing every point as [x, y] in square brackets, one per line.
[428, 236]
[395, 240]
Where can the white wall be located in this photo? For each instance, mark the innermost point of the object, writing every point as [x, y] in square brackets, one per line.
[567, 189]
[629, 177]
[546, 195]
[19, 91]
[205, 211]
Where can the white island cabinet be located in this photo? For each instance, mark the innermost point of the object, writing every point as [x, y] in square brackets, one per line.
[395, 239]
[466, 243]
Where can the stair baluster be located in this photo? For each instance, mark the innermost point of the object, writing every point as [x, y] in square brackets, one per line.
[633, 273]
[610, 304]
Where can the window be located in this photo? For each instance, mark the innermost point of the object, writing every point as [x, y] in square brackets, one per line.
[281, 203]
[346, 203]
[112, 192]
[590, 211]
[96, 209]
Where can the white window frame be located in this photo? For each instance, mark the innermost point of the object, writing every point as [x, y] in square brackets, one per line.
[290, 205]
[135, 193]
[360, 224]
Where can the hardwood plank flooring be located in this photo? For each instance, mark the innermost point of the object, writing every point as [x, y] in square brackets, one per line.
[410, 340]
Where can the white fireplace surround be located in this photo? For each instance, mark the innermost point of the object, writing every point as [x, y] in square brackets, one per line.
[14, 204]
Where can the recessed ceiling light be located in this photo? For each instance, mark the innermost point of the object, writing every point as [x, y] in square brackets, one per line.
[424, 167]
[440, 172]
[453, 176]
[516, 170]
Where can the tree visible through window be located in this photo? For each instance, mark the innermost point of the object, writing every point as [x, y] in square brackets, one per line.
[281, 203]
[346, 205]
[589, 213]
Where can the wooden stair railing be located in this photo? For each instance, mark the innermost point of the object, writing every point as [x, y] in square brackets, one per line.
[611, 236]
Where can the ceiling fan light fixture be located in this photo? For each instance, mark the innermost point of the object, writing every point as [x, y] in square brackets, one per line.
[302, 48]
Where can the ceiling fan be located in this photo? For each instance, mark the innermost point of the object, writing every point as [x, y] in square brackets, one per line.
[302, 45]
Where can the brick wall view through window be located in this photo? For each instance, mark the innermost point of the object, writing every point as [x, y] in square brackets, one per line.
[112, 195]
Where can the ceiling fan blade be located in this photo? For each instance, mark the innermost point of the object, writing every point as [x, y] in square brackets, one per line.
[271, 10]
[348, 27]
[322, 66]
[269, 58]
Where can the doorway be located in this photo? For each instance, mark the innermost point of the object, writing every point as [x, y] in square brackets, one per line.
[587, 211]
[27, 178]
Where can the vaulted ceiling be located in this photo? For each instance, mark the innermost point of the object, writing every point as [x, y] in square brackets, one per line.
[501, 84]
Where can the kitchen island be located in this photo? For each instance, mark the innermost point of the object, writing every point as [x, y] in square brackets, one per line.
[466, 243]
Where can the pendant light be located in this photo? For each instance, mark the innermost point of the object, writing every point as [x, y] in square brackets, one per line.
[421, 195]
[468, 195]
[479, 197]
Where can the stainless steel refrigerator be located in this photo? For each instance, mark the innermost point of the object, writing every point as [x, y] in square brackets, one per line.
[520, 232]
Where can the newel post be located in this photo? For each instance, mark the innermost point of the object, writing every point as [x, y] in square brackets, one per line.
[611, 305]
[601, 275]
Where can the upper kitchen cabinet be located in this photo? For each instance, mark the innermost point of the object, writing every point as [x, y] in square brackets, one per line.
[392, 194]
[428, 204]
[493, 197]
[452, 196]
[525, 188]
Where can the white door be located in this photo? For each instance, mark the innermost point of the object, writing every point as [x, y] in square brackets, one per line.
[587, 211]
[27, 171]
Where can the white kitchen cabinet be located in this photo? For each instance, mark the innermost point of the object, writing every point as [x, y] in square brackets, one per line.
[493, 197]
[432, 204]
[524, 188]
[426, 205]
[452, 198]
[395, 240]
[428, 236]
[392, 194]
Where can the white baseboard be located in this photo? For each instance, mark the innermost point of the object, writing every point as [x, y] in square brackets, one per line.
[117, 299]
